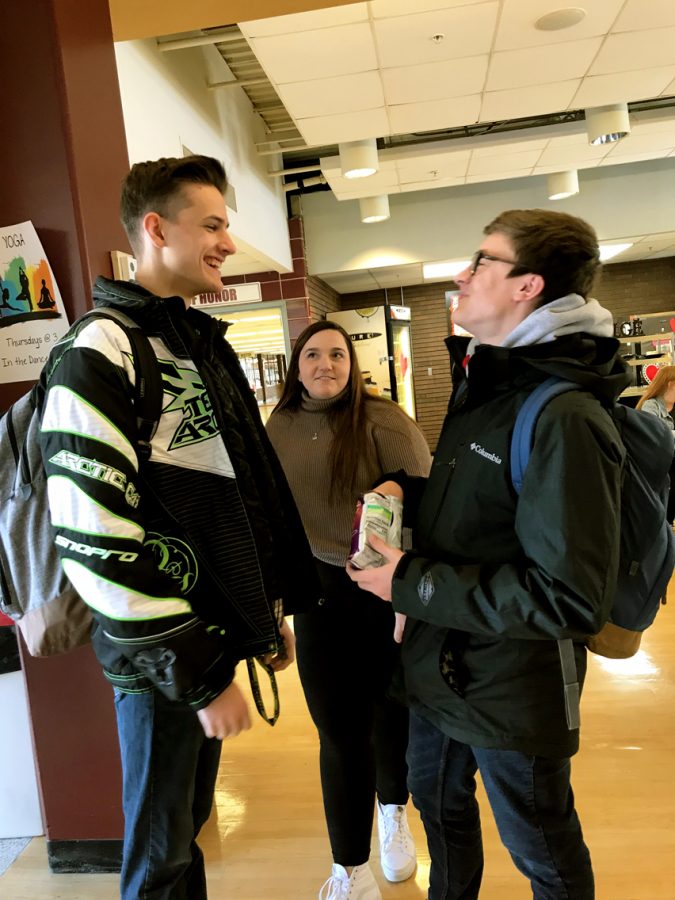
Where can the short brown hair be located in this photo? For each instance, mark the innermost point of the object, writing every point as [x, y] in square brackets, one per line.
[563, 249]
[150, 187]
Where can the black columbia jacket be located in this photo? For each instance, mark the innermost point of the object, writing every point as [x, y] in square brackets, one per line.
[182, 559]
[497, 579]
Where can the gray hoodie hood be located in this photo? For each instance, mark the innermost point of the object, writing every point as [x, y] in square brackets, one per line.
[566, 315]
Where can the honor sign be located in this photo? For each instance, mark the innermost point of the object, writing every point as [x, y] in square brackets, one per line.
[233, 293]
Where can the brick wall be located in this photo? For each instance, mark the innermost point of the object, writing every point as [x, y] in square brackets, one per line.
[431, 366]
[322, 298]
[292, 288]
[624, 288]
[632, 288]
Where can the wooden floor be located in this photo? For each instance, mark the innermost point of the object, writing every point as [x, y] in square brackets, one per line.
[266, 837]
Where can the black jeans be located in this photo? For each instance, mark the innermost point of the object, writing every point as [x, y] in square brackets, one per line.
[346, 657]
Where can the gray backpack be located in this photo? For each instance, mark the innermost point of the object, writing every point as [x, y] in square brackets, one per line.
[34, 590]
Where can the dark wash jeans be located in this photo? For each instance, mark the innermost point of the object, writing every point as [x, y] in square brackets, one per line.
[533, 806]
[169, 772]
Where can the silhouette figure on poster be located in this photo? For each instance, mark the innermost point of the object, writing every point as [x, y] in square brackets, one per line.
[46, 300]
[5, 304]
[25, 289]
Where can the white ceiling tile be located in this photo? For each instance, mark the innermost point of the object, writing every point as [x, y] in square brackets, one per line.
[397, 276]
[507, 148]
[380, 183]
[632, 158]
[306, 21]
[316, 54]
[643, 143]
[434, 114]
[632, 16]
[572, 155]
[563, 167]
[654, 243]
[661, 254]
[644, 123]
[448, 165]
[509, 163]
[539, 65]
[327, 96]
[498, 176]
[670, 89]
[433, 81]
[355, 126]
[516, 24]
[406, 40]
[330, 166]
[382, 9]
[622, 87]
[425, 185]
[529, 101]
[637, 50]
[350, 282]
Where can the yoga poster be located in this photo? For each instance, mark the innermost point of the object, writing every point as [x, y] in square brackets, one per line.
[32, 317]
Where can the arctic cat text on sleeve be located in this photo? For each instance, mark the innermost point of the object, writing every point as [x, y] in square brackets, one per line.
[99, 471]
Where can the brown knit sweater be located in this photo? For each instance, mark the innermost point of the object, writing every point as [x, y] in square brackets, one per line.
[302, 440]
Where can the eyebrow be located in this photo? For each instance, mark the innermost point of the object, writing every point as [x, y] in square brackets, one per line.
[218, 219]
[330, 349]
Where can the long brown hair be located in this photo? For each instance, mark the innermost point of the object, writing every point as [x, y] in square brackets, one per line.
[348, 419]
[659, 385]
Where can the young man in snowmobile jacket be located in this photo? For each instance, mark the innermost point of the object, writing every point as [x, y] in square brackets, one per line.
[189, 560]
[496, 580]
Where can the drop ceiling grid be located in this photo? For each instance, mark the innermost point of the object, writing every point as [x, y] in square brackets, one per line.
[370, 69]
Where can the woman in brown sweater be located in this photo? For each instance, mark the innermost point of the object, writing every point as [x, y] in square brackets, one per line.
[335, 441]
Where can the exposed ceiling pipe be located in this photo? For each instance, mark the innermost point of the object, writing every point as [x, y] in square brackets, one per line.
[279, 173]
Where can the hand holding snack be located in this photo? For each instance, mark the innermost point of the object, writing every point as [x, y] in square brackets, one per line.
[379, 515]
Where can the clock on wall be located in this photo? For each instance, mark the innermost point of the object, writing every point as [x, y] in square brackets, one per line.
[626, 329]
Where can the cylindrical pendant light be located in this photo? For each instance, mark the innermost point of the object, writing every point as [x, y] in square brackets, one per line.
[563, 184]
[607, 124]
[374, 209]
[359, 158]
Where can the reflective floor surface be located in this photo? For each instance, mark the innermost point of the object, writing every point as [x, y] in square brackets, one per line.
[266, 836]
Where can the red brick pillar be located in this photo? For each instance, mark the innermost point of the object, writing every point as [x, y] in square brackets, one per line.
[291, 287]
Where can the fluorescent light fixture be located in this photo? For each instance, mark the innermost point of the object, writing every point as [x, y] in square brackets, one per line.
[607, 124]
[444, 269]
[374, 209]
[607, 251]
[562, 184]
[359, 158]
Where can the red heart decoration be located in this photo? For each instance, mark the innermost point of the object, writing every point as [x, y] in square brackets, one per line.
[650, 372]
[672, 324]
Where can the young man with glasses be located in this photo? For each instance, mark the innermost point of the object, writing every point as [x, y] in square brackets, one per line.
[496, 580]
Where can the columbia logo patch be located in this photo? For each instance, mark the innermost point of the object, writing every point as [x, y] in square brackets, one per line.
[426, 588]
[486, 453]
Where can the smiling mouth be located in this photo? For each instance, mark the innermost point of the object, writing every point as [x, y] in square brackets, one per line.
[213, 262]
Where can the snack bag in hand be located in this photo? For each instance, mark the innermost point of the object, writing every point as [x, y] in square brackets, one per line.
[375, 514]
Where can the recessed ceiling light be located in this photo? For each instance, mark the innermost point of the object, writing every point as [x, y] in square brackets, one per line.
[607, 251]
[560, 18]
[446, 269]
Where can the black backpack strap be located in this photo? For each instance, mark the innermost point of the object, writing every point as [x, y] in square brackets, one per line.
[148, 392]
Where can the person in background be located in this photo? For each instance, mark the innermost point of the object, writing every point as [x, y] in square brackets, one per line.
[497, 579]
[190, 560]
[334, 440]
[658, 400]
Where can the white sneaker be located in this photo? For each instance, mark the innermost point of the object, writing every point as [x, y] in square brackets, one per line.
[360, 885]
[397, 847]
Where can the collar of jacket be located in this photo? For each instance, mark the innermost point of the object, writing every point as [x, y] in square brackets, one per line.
[590, 361]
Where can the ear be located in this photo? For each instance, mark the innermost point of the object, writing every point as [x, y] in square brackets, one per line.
[530, 288]
[153, 227]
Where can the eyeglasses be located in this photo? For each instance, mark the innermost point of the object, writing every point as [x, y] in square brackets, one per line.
[480, 255]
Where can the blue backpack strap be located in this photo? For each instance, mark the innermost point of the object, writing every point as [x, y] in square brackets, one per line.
[521, 446]
[526, 421]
